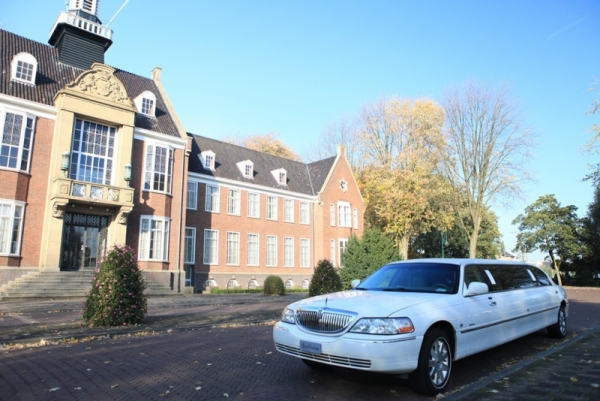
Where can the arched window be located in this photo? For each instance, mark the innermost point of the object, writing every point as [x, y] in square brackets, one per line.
[210, 283]
[24, 68]
[232, 284]
[289, 283]
[305, 284]
[146, 103]
[252, 284]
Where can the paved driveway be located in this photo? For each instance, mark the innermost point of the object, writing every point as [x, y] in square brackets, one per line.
[206, 363]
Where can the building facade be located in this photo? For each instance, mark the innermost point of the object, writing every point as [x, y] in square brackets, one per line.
[93, 156]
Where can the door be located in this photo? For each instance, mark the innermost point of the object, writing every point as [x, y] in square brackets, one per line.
[83, 241]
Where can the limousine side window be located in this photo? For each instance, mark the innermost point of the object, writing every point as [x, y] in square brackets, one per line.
[541, 277]
[472, 273]
[509, 277]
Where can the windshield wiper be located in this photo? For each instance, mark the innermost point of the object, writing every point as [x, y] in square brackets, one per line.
[395, 289]
[361, 288]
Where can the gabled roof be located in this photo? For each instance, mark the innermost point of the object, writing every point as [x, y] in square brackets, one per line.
[53, 75]
[301, 177]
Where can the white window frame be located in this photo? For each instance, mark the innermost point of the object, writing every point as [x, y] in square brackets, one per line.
[253, 205]
[344, 218]
[355, 218]
[145, 103]
[12, 213]
[233, 202]
[189, 247]
[304, 252]
[210, 254]
[271, 207]
[271, 254]
[288, 210]
[343, 245]
[27, 61]
[332, 251]
[246, 168]
[208, 159]
[192, 195]
[232, 255]
[253, 250]
[157, 236]
[155, 167]
[25, 141]
[212, 199]
[332, 214]
[93, 143]
[288, 252]
[304, 213]
[280, 176]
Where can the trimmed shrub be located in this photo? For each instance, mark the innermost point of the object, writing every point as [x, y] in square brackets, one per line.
[117, 296]
[365, 255]
[324, 280]
[274, 286]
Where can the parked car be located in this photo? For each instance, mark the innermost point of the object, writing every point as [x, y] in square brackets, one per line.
[416, 317]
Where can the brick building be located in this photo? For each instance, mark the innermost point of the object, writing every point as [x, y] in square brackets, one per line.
[93, 156]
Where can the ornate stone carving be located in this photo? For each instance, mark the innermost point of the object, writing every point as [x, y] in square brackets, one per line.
[100, 81]
[123, 215]
[58, 209]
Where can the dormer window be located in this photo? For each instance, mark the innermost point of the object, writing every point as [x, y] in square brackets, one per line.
[280, 175]
[146, 103]
[24, 68]
[246, 168]
[208, 159]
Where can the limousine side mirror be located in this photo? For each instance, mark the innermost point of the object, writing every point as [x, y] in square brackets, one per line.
[355, 283]
[476, 288]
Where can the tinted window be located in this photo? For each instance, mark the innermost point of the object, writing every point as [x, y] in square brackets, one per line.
[507, 277]
[541, 277]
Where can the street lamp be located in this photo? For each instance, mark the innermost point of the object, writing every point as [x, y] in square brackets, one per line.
[127, 173]
[65, 163]
[444, 241]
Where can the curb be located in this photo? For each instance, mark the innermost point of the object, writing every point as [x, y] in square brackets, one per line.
[484, 382]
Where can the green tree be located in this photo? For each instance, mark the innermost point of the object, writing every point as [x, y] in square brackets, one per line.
[456, 244]
[487, 149]
[549, 227]
[365, 255]
[117, 296]
[588, 265]
[325, 279]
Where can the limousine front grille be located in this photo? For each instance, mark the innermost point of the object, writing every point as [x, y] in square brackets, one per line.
[327, 358]
[323, 320]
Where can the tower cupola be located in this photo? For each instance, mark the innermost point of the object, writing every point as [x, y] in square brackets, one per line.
[79, 36]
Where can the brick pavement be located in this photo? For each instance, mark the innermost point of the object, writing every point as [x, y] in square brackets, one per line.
[191, 357]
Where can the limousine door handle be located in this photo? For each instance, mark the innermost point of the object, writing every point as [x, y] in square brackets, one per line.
[492, 303]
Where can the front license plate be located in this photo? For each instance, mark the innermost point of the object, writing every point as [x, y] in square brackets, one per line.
[307, 346]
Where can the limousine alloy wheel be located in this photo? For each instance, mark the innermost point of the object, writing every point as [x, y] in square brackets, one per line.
[559, 329]
[435, 363]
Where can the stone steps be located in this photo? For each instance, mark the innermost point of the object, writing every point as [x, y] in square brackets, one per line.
[40, 285]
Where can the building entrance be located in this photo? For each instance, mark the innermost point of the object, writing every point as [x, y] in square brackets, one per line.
[83, 241]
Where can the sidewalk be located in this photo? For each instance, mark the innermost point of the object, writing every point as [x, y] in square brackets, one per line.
[30, 322]
[569, 371]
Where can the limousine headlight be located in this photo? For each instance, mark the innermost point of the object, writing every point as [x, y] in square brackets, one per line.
[288, 316]
[398, 325]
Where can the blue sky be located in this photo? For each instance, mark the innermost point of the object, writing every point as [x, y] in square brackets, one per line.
[238, 68]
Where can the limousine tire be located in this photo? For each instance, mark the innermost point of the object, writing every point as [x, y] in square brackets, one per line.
[435, 362]
[559, 329]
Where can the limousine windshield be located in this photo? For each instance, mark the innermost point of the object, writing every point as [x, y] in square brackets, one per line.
[418, 277]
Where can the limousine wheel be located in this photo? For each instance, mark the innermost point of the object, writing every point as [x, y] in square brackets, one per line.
[435, 363]
[559, 329]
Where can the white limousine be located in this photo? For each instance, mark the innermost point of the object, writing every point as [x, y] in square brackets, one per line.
[416, 317]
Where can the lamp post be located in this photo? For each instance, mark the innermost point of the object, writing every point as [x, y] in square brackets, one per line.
[444, 241]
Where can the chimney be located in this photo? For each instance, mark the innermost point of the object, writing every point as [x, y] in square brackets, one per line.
[79, 36]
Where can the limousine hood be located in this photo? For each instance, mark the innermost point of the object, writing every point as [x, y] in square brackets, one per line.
[369, 303]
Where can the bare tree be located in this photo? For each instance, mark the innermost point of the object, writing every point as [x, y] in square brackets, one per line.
[487, 150]
[344, 132]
